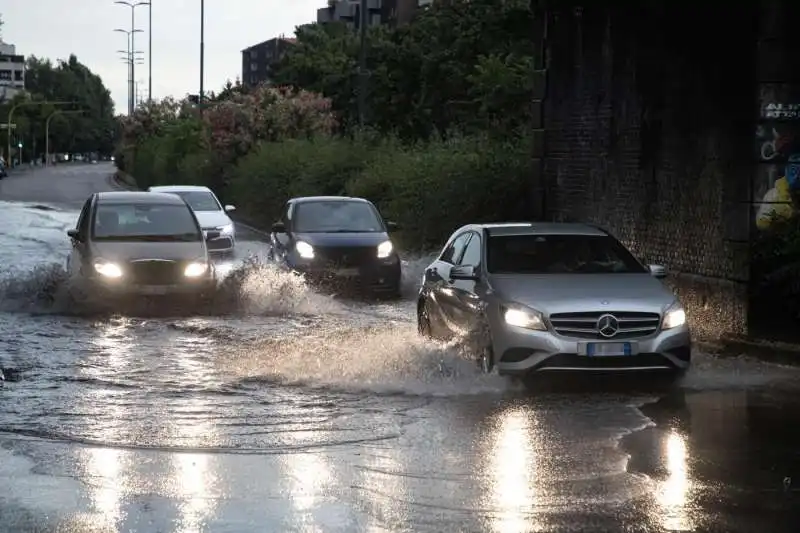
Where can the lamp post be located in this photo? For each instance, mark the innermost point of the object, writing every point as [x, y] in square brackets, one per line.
[47, 132]
[150, 53]
[132, 44]
[202, 51]
[23, 104]
[130, 53]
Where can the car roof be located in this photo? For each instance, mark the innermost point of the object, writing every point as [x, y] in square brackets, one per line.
[178, 188]
[136, 197]
[536, 228]
[304, 199]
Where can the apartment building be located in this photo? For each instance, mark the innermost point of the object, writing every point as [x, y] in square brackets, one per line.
[259, 60]
[12, 71]
[378, 11]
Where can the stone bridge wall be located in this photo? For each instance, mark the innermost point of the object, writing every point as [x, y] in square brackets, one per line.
[648, 120]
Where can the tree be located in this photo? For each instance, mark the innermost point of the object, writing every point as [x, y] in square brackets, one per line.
[89, 126]
[464, 64]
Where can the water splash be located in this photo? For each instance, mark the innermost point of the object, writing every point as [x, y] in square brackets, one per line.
[389, 359]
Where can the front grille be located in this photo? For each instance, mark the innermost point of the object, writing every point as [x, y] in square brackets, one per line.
[584, 325]
[155, 272]
[343, 257]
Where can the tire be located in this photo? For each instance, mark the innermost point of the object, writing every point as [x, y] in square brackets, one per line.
[423, 319]
[486, 360]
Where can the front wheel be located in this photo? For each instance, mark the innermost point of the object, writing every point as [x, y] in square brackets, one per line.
[486, 360]
[424, 320]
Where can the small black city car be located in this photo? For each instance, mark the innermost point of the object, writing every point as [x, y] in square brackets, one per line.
[339, 241]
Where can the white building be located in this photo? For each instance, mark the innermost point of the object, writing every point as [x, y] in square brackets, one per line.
[12, 71]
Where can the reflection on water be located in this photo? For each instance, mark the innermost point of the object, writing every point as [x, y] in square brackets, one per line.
[673, 493]
[385, 489]
[194, 476]
[308, 476]
[512, 472]
[106, 467]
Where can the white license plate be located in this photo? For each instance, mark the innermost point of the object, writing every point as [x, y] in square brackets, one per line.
[347, 272]
[608, 349]
[153, 290]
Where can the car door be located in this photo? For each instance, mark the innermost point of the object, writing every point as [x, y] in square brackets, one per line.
[440, 290]
[78, 257]
[464, 298]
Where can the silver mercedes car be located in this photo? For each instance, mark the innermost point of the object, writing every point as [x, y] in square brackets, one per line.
[553, 297]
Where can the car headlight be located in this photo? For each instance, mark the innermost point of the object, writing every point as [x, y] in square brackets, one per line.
[107, 269]
[385, 249]
[674, 317]
[523, 317]
[305, 250]
[226, 229]
[195, 270]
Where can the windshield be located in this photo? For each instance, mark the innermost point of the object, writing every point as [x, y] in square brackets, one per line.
[200, 200]
[336, 217]
[559, 254]
[144, 222]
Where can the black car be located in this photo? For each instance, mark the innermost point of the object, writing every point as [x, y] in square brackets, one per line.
[338, 240]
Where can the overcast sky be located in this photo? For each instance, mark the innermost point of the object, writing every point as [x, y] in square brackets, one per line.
[57, 28]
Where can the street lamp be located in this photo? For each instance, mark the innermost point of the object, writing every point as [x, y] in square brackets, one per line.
[133, 31]
[202, 50]
[130, 34]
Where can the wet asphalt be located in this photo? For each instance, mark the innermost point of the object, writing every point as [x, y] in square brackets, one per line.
[294, 411]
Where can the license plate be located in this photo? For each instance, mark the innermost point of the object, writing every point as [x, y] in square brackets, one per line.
[153, 290]
[608, 349]
[347, 272]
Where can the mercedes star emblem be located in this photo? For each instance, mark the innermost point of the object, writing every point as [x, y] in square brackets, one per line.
[607, 325]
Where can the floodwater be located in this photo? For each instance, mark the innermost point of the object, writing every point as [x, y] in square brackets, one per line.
[289, 410]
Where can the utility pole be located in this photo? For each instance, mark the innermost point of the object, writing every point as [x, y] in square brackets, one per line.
[202, 51]
[47, 132]
[132, 33]
[24, 104]
[362, 63]
[150, 54]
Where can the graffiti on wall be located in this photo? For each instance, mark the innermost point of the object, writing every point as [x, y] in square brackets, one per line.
[776, 187]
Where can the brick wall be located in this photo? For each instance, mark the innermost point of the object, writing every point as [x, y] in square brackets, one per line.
[648, 119]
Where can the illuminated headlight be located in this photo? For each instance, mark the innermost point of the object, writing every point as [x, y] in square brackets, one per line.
[523, 317]
[226, 230]
[195, 270]
[107, 269]
[385, 249]
[674, 317]
[305, 250]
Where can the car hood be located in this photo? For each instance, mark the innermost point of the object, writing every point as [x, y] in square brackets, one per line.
[342, 239]
[129, 251]
[212, 219]
[563, 293]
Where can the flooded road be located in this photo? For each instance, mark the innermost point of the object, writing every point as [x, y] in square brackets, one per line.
[295, 411]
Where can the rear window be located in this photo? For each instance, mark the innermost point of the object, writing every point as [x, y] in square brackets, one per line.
[559, 254]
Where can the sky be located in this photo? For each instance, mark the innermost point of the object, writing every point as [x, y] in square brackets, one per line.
[57, 28]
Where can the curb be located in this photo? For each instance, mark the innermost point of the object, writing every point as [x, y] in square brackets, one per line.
[769, 351]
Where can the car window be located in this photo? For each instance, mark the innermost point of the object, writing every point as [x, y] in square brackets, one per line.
[472, 253]
[336, 216]
[145, 222]
[452, 253]
[559, 254]
[200, 200]
[83, 219]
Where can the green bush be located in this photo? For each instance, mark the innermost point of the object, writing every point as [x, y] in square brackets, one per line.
[432, 189]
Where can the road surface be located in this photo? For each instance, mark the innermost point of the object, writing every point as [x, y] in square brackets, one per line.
[297, 412]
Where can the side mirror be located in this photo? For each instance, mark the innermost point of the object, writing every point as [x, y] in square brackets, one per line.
[74, 234]
[657, 271]
[210, 235]
[229, 208]
[392, 226]
[279, 227]
[464, 272]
